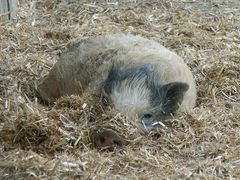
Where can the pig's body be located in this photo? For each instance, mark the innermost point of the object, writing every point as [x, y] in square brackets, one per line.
[94, 63]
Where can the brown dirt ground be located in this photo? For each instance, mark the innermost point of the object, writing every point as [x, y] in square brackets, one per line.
[55, 142]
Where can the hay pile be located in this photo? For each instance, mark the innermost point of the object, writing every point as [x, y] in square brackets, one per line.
[37, 141]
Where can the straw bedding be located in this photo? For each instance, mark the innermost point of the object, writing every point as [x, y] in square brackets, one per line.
[37, 141]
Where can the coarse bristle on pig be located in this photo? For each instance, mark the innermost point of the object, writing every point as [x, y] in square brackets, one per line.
[139, 77]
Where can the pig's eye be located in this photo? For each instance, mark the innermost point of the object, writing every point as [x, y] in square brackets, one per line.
[147, 116]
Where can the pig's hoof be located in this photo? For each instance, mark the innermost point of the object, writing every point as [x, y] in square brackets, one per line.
[46, 99]
[107, 139]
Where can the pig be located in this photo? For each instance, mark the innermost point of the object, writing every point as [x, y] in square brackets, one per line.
[141, 78]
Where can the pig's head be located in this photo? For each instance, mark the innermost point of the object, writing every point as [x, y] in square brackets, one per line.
[138, 94]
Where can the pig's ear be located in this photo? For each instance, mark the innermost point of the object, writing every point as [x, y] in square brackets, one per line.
[173, 96]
